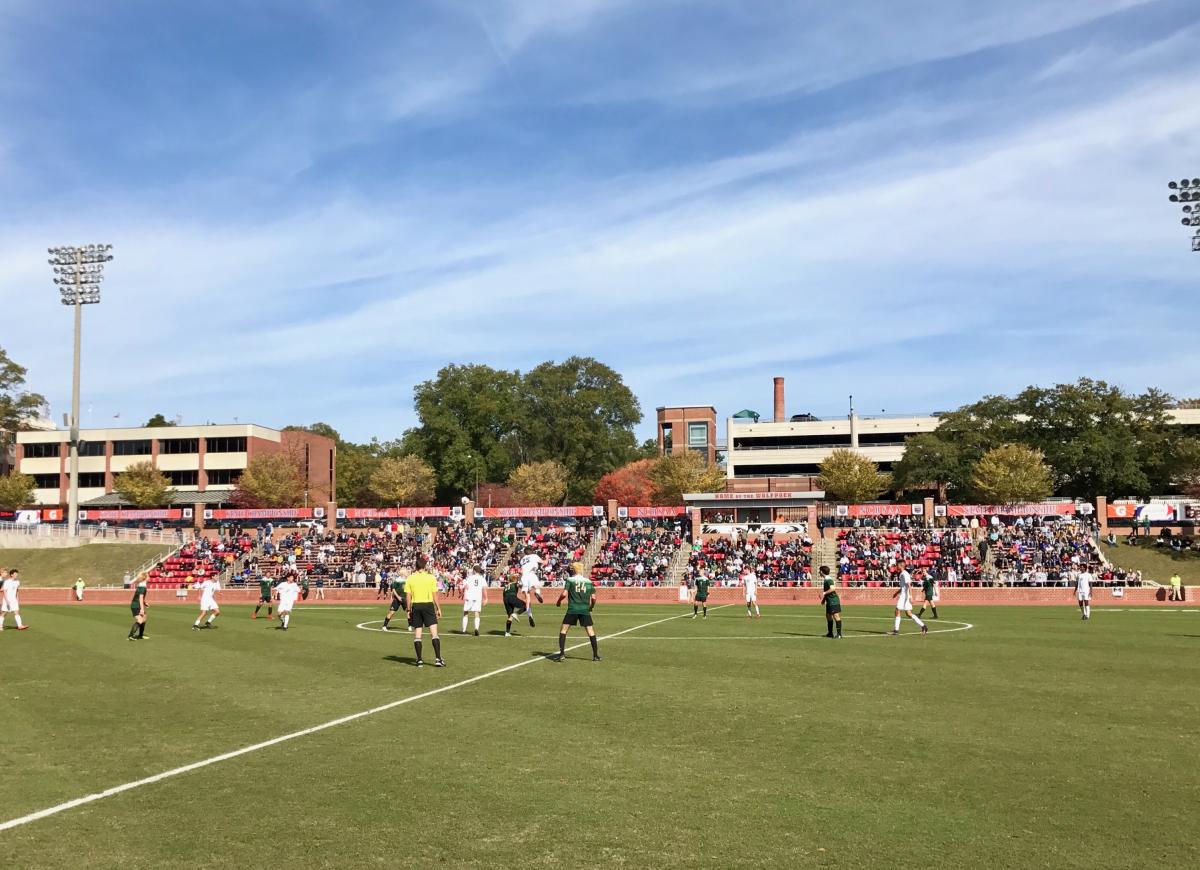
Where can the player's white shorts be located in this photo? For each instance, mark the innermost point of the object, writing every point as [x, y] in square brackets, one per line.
[1083, 594]
[9, 605]
[530, 581]
[472, 605]
[751, 596]
[904, 602]
[208, 604]
[286, 606]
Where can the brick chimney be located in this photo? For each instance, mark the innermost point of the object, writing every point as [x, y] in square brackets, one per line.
[780, 407]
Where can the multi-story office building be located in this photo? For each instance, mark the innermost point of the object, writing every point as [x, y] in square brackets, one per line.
[203, 463]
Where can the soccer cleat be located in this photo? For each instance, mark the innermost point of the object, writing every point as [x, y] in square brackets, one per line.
[420, 664]
[596, 658]
[531, 625]
[892, 633]
[439, 663]
[254, 616]
[477, 632]
[385, 628]
[269, 616]
[195, 628]
[558, 657]
[829, 635]
[924, 629]
[131, 637]
[22, 628]
[508, 634]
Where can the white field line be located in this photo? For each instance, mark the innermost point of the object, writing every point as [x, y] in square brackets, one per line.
[275, 741]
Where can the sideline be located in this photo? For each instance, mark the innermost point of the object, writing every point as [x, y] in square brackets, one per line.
[275, 741]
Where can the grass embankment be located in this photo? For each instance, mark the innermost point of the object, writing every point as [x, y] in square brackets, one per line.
[97, 564]
[1155, 563]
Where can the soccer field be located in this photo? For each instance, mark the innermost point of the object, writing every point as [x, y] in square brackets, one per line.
[1008, 737]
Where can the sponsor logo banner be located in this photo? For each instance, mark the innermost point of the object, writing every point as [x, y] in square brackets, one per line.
[392, 513]
[1062, 509]
[524, 512]
[656, 511]
[875, 510]
[260, 514]
[93, 515]
[1155, 511]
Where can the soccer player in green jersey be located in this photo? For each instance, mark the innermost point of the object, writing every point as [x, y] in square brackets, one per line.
[514, 604]
[931, 591]
[580, 595]
[138, 606]
[701, 598]
[832, 601]
[399, 599]
[264, 597]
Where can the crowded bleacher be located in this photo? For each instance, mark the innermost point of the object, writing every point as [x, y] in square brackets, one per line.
[456, 548]
[776, 561]
[636, 555]
[870, 557]
[558, 546]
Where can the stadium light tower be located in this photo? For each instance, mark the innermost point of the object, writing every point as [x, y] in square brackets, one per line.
[1187, 191]
[78, 272]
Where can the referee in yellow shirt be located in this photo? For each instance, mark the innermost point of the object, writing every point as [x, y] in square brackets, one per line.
[424, 610]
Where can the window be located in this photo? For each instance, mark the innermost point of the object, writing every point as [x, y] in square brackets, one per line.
[667, 436]
[224, 476]
[45, 481]
[225, 445]
[131, 448]
[174, 446]
[91, 480]
[91, 448]
[42, 450]
[697, 434]
[183, 478]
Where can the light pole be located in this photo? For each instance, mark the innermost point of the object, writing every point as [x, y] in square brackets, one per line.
[78, 271]
[1187, 191]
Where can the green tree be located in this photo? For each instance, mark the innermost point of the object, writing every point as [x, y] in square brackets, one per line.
[272, 480]
[406, 480]
[674, 474]
[16, 404]
[144, 486]
[850, 477]
[469, 426]
[1012, 473]
[158, 421]
[581, 413]
[934, 462]
[539, 483]
[16, 490]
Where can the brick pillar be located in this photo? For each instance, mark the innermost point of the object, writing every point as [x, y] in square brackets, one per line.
[697, 527]
[331, 515]
[929, 519]
[469, 513]
[812, 519]
[1102, 513]
[611, 510]
[108, 475]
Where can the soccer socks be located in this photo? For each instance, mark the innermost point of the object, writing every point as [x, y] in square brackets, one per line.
[757, 612]
[921, 612]
[839, 628]
[595, 646]
[896, 627]
[476, 622]
[935, 613]
[17, 617]
[141, 629]
[257, 609]
[196, 624]
[437, 647]
[417, 647]
[562, 644]
[464, 623]
[706, 610]
[695, 609]
[211, 617]
[386, 620]
[133, 631]
[917, 620]
[829, 623]
[1087, 613]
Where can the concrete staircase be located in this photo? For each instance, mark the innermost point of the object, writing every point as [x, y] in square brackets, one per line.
[679, 564]
[592, 553]
[824, 552]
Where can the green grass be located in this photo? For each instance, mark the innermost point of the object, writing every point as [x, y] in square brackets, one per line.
[1156, 563]
[1033, 740]
[97, 564]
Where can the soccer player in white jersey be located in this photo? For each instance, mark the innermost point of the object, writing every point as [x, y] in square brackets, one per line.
[474, 596]
[8, 599]
[288, 591]
[750, 581]
[531, 583]
[209, 587]
[903, 596]
[1083, 592]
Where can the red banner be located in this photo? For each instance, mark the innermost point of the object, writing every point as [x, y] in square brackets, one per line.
[643, 512]
[260, 514]
[52, 515]
[528, 512]
[392, 513]
[1062, 509]
[875, 510]
[89, 515]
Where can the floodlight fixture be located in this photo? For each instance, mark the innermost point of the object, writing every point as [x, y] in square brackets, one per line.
[78, 271]
[1187, 190]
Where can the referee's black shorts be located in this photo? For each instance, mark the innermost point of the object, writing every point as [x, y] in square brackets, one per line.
[424, 615]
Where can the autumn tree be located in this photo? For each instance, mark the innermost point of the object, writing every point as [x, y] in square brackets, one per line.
[630, 485]
[674, 474]
[144, 486]
[273, 480]
[539, 483]
[16, 490]
[848, 476]
[16, 404]
[404, 480]
[1012, 473]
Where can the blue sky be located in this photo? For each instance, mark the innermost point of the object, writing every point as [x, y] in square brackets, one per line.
[316, 205]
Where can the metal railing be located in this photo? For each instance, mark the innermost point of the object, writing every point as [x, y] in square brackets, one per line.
[95, 533]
